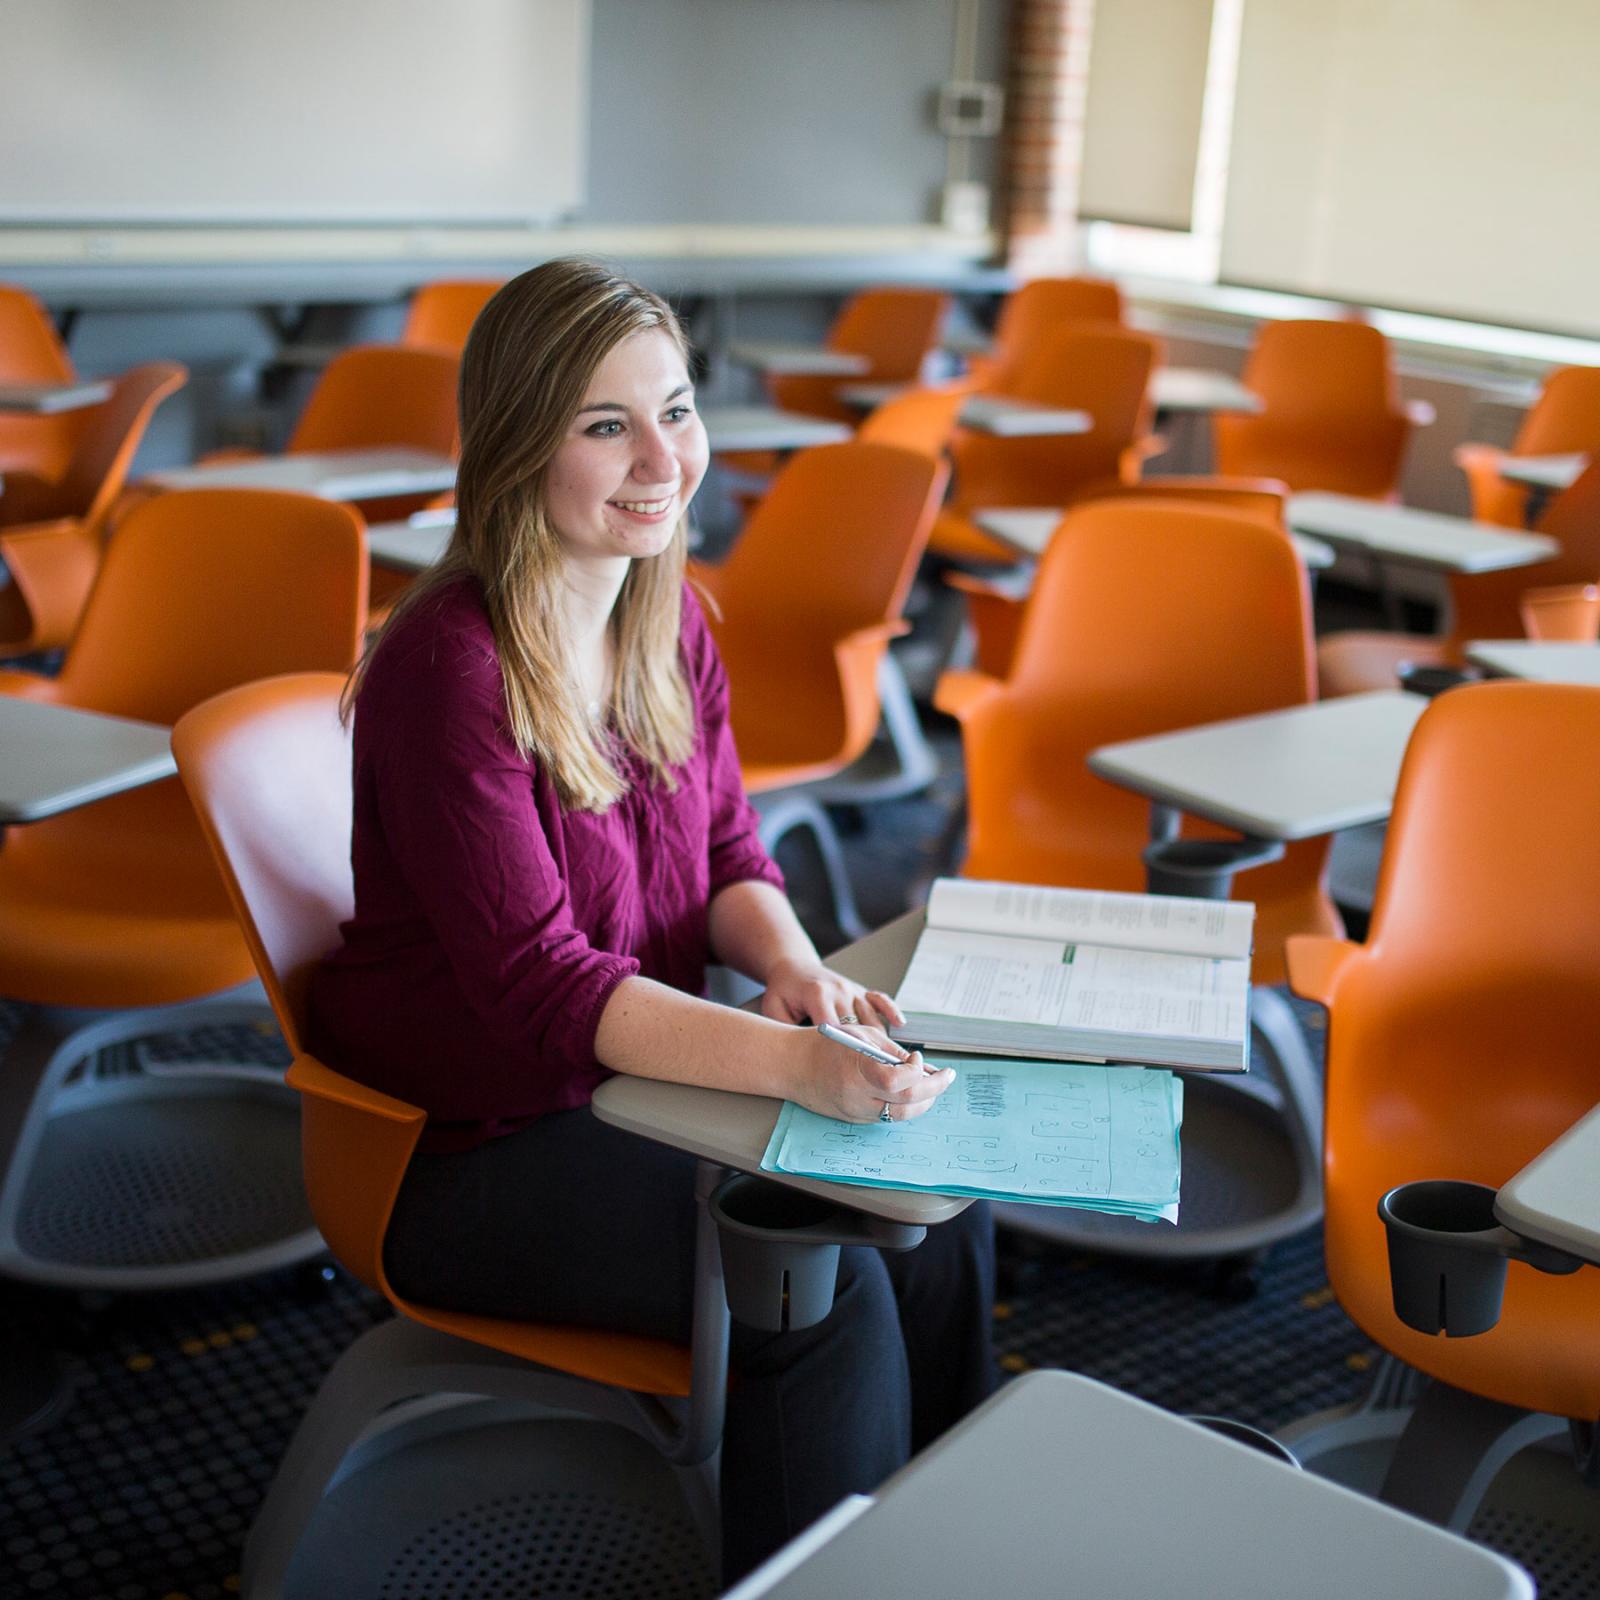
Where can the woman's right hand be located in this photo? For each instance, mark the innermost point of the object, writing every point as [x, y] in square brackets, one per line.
[836, 1082]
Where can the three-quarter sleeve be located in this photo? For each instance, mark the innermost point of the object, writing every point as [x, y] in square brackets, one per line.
[460, 814]
[735, 848]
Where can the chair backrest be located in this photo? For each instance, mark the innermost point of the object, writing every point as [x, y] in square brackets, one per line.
[1488, 605]
[1260, 499]
[1043, 306]
[32, 352]
[108, 439]
[268, 769]
[1144, 617]
[920, 419]
[834, 543]
[893, 328]
[375, 395]
[1104, 371]
[441, 314]
[1462, 1035]
[1330, 416]
[1565, 417]
[207, 588]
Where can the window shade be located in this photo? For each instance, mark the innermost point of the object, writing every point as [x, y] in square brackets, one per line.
[1147, 83]
[1432, 155]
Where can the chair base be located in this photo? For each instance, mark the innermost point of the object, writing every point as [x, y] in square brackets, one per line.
[785, 811]
[118, 1178]
[1499, 1475]
[398, 1505]
[899, 762]
[1251, 1163]
[504, 1506]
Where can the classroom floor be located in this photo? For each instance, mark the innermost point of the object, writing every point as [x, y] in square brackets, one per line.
[144, 1483]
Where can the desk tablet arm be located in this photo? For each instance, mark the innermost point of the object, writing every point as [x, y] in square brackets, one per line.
[1203, 868]
[780, 1249]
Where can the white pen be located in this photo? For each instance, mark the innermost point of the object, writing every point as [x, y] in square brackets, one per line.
[872, 1052]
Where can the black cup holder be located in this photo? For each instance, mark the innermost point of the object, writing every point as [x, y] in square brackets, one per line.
[780, 1249]
[1203, 868]
[1448, 1255]
[1429, 681]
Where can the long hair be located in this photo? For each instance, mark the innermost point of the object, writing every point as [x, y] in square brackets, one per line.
[529, 360]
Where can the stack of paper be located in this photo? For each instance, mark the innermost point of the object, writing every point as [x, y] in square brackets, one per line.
[1055, 1133]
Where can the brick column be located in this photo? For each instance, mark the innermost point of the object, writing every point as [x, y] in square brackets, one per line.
[1046, 91]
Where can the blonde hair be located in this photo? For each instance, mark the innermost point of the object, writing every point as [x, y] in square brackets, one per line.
[531, 356]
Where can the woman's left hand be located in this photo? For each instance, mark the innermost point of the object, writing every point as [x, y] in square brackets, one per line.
[810, 992]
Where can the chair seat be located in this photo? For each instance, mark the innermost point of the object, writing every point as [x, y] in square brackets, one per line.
[646, 1366]
[1356, 662]
[116, 904]
[957, 538]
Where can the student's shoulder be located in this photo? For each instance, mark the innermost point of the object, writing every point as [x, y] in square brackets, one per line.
[442, 642]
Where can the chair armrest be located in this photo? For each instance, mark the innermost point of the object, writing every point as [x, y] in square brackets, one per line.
[29, 686]
[1315, 962]
[1473, 457]
[960, 692]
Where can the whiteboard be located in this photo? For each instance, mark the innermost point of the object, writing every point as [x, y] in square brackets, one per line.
[1430, 155]
[293, 111]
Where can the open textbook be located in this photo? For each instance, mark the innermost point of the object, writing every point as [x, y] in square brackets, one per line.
[1081, 975]
[1094, 1137]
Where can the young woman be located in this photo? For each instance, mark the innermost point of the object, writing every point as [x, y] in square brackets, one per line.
[551, 842]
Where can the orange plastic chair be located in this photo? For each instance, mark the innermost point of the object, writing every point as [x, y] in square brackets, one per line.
[809, 599]
[442, 314]
[53, 531]
[1562, 612]
[1486, 605]
[1330, 416]
[268, 769]
[118, 904]
[1128, 632]
[1565, 418]
[1461, 1035]
[1035, 311]
[895, 329]
[32, 352]
[921, 419]
[995, 608]
[1105, 373]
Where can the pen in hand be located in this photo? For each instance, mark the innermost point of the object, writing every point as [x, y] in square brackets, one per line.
[872, 1052]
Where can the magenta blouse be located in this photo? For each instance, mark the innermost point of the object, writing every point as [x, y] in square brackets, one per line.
[490, 925]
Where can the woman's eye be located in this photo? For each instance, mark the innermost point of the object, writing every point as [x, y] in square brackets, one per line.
[604, 430]
[679, 413]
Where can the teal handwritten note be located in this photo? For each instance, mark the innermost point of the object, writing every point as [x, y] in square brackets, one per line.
[1104, 1138]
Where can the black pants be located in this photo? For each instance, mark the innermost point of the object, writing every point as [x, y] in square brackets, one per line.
[569, 1220]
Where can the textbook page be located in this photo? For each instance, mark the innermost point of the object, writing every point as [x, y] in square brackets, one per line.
[1075, 987]
[1221, 928]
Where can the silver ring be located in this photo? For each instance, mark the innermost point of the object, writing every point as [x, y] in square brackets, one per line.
[883, 1116]
[847, 1017]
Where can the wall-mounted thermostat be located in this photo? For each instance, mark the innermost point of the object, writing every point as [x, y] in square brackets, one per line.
[968, 109]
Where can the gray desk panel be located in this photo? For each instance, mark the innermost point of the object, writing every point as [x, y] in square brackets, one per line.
[1020, 419]
[407, 546]
[1556, 1197]
[56, 758]
[733, 1129]
[46, 399]
[331, 474]
[1061, 1486]
[800, 360]
[1537, 661]
[1027, 529]
[1544, 472]
[1403, 536]
[766, 428]
[1288, 775]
